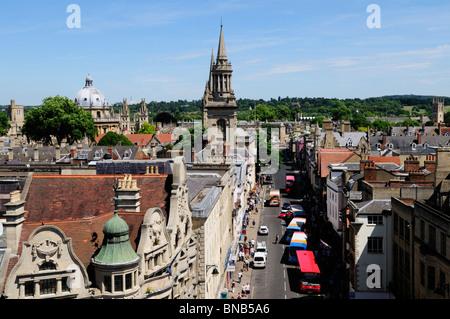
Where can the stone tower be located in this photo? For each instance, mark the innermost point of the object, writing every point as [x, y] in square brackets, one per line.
[219, 106]
[124, 118]
[142, 116]
[16, 117]
[438, 110]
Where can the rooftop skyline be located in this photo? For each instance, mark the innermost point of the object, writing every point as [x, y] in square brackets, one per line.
[161, 50]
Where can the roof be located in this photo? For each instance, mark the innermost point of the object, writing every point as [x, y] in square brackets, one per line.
[332, 155]
[376, 206]
[81, 206]
[385, 159]
[71, 197]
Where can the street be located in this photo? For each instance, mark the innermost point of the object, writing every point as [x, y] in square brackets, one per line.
[280, 279]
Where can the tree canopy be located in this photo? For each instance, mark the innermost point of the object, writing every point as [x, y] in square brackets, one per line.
[4, 124]
[60, 118]
[113, 139]
[146, 128]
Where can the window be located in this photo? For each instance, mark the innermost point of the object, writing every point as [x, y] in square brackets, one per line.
[47, 266]
[375, 220]
[431, 236]
[29, 289]
[431, 277]
[422, 273]
[443, 248]
[375, 245]
[47, 286]
[65, 287]
[128, 282]
[108, 286]
[118, 283]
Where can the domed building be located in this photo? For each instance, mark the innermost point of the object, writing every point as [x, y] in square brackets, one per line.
[92, 99]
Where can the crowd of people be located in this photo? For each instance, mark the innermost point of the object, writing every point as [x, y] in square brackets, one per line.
[237, 288]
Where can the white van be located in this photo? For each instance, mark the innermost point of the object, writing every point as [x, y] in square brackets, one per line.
[259, 260]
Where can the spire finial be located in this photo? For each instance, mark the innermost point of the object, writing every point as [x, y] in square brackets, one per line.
[221, 24]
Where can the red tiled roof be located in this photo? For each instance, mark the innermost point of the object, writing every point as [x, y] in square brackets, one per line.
[140, 139]
[165, 138]
[81, 205]
[386, 159]
[332, 155]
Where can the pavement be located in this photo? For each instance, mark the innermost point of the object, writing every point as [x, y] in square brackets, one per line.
[251, 233]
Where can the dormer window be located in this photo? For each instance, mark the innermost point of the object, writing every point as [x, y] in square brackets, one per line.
[413, 146]
[378, 146]
[349, 142]
[390, 146]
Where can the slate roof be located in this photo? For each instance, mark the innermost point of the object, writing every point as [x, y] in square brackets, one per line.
[376, 206]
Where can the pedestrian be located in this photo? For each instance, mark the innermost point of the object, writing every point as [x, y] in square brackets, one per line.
[246, 264]
[252, 252]
[240, 276]
[233, 284]
[277, 238]
[247, 289]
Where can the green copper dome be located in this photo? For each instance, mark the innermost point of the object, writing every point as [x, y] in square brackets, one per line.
[116, 247]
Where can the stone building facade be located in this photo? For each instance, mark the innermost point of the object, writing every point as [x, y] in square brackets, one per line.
[62, 232]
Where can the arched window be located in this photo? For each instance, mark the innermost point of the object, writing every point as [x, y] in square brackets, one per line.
[47, 266]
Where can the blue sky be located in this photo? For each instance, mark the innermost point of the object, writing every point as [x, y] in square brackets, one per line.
[160, 50]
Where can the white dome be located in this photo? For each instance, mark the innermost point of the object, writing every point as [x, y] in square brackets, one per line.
[89, 95]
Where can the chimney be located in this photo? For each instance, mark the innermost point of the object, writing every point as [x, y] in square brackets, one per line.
[419, 139]
[14, 219]
[442, 164]
[430, 163]
[73, 151]
[57, 152]
[416, 176]
[411, 164]
[10, 154]
[383, 144]
[439, 129]
[36, 154]
[127, 194]
[370, 172]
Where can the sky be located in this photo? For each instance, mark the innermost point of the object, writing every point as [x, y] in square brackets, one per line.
[161, 50]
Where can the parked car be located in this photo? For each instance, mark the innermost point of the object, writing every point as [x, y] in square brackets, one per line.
[259, 260]
[284, 209]
[261, 247]
[263, 230]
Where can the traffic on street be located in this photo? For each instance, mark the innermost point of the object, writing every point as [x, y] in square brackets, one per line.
[302, 259]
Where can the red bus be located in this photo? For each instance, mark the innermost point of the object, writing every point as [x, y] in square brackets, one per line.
[290, 181]
[309, 271]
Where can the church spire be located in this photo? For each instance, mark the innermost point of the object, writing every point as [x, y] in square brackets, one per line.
[221, 54]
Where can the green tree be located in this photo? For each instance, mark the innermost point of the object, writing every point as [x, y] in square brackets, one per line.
[382, 125]
[146, 128]
[4, 124]
[61, 118]
[446, 118]
[113, 139]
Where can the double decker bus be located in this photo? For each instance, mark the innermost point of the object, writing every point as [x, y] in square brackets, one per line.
[298, 242]
[274, 197]
[309, 272]
[295, 225]
[290, 182]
